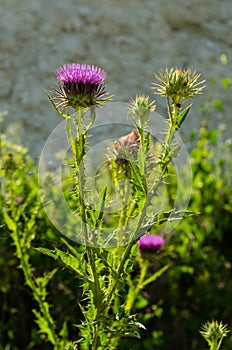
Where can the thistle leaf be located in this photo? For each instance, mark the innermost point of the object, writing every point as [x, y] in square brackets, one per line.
[182, 116]
[9, 222]
[56, 108]
[68, 260]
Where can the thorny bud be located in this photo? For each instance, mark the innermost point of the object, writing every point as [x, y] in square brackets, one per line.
[178, 84]
[214, 332]
[126, 146]
[141, 108]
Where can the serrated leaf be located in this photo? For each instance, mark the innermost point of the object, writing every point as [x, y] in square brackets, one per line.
[56, 108]
[182, 116]
[9, 222]
[68, 260]
[45, 327]
[133, 334]
[101, 204]
[139, 325]
[64, 331]
[43, 281]
[138, 178]
[96, 215]
[46, 251]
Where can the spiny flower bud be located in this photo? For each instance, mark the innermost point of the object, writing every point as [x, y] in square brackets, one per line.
[141, 108]
[126, 146]
[178, 83]
[214, 332]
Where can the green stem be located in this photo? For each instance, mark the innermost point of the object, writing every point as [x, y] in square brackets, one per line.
[97, 289]
[80, 188]
[80, 152]
[141, 150]
[95, 339]
[134, 291]
[165, 161]
[123, 260]
[173, 117]
[22, 255]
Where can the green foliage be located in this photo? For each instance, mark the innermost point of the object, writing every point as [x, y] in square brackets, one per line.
[67, 296]
[24, 222]
[200, 247]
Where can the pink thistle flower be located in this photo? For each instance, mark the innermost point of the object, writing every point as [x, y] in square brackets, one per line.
[80, 86]
[150, 243]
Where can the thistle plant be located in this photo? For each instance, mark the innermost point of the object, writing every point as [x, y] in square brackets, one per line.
[118, 242]
[177, 86]
[214, 332]
[21, 208]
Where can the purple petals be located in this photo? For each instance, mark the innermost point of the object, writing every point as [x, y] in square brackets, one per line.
[81, 73]
[151, 242]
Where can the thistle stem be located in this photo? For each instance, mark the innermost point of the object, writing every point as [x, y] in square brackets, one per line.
[81, 135]
[172, 122]
[134, 291]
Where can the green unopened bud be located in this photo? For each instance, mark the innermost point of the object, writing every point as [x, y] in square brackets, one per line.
[141, 108]
[214, 332]
[178, 84]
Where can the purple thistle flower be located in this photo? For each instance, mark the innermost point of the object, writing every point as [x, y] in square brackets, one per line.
[80, 86]
[150, 243]
[81, 73]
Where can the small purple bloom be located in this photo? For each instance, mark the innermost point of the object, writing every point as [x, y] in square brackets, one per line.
[80, 86]
[149, 242]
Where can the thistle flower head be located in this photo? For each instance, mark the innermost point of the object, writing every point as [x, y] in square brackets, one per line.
[80, 86]
[127, 145]
[178, 83]
[141, 107]
[150, 243]
[214, 332]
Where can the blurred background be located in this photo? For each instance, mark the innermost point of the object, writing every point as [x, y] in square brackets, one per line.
[129, 39]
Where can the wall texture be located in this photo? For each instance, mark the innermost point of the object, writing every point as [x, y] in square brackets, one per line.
[129, 39]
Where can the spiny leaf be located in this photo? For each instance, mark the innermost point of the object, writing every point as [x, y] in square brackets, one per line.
[96, 215]
[10, 222]
[64, 331]
[46, 327]
[102, 204]
[69, 260]
[138, 178]
[43, 281]
[182, 116]
[56, 108]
